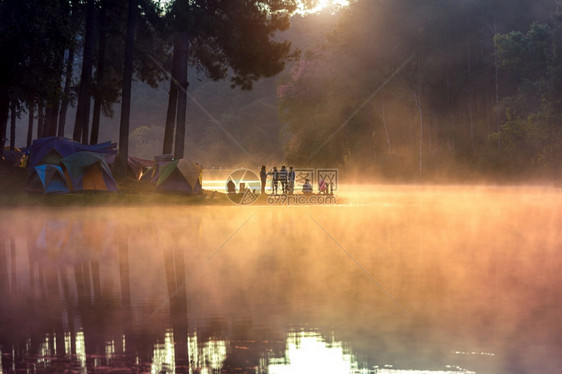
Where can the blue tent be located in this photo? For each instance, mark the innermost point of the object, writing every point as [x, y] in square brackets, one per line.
[52, 149]
[47, 179]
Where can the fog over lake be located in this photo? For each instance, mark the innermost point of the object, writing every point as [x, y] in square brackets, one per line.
[391, 279]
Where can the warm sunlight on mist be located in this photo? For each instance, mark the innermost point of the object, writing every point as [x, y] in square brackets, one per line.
[454, 271]
[321, 5]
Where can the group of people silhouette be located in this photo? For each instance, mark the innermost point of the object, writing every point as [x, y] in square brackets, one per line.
[283, 177]
[282, 181]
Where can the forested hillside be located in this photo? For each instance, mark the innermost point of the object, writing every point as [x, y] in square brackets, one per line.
[446, 88]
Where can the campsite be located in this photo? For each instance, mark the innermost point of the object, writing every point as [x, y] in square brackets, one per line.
[280, 186]
[63, 172]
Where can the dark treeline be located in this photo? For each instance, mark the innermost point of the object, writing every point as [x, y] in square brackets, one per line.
[444, 88]
[86, 53]
[399, 89]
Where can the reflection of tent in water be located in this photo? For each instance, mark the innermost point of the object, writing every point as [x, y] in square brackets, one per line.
[89, 171]
[180, 176]
[47, 179]
[72, 241]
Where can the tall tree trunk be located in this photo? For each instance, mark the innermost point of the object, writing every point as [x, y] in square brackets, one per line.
[418, 91]
[66, 92]
[167, 146]
[30, 109]
[40, 118]
[52, 118]
[68, 75]
[497, 98]
[469, 83]
[13, 125]
[83, 106]
[171, 113]
[53, 104]
[4, 113]
[100, 75]
[182, 95]
[126, 91]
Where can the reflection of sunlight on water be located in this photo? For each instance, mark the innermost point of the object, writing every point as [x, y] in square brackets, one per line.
[67, 343]
[307, 352]
[163, 359]
[109, 351]
[45, 353]
[81, 350]
[207, 358]
[212, 355]
[395, 371]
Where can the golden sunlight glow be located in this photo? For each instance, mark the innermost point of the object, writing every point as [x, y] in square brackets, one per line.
[307, 352]
[321, 5]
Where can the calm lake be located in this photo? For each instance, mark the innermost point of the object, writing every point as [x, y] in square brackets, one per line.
[396, 279]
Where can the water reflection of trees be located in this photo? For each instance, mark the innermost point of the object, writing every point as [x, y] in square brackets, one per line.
[113, 287]
[63, 297]
[67, 315]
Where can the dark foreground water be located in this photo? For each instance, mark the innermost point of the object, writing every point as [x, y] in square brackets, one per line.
[397, 280]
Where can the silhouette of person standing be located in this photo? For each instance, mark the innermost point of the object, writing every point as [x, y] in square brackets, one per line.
[291, 177]
[283, 178]
[274, 179]
[263, 177]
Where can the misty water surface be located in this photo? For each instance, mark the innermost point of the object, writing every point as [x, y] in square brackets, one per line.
[399, 277]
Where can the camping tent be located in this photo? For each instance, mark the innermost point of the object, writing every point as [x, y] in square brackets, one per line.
[52, 149]
[89, 171]
[159, 162]
[181, 176]
[138, 167]
[47, 179]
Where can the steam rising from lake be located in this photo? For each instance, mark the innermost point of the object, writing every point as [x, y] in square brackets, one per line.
[419, 277]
